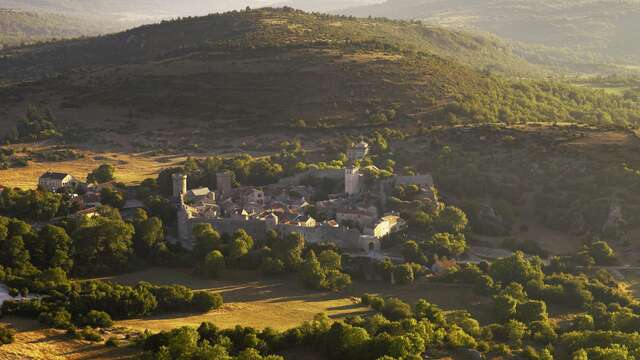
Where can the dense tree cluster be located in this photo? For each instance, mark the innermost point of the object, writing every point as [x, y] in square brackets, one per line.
[38, 123]
[521, 289]
[325, 273]
[102, 174]
[440, 232]
[96, 303]
[35, 205]
[274, 254]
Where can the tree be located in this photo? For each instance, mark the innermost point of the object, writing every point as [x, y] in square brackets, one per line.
[344, 341]
[183, 342]
[404, 274]
[103, 174]
[330, 260]
[451, 220]
[580, 355]
[112, 197]
[7, 335]
[213, 264]
[97, 319]
[289, 250]
[446, 244]
[149, 233]
[396, 309]
[337, 280]
[245, 237]
[207, 239]
[602, 253]
[312, 275]
[103, 244]
[204, 301]
[515, 331]
[505, 306]
[237, 249]
[272, 266]
[458, 338]
[412, 253]
[532, 310]
[51, 248]
[516, 268]
[431, 312]
[13, 254]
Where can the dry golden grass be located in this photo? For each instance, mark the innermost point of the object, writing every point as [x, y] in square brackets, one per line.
[130, 168]
[282, 303]
[35, 342]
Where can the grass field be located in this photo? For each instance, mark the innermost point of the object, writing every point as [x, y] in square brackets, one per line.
[282, 303]
[34, 342]
[131, 168]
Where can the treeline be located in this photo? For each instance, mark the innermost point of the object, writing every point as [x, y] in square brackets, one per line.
[82, 245]
[95, 304]
[35, 205]
[512, 102]
[275, 254]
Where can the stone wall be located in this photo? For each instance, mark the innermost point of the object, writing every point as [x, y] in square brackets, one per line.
[341, 237]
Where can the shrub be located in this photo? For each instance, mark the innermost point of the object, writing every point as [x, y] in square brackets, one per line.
[272, 266]
[204, 301]
[213, 264]
[97, 319]
[396, 309]
[403, 274]
[112, 342]
[90, 335]
[7, 335]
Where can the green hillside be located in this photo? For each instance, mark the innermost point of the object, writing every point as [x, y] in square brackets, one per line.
[564, 32]
[19, 27]
[269, 70]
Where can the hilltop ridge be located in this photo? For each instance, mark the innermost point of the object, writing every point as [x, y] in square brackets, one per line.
[270, 70]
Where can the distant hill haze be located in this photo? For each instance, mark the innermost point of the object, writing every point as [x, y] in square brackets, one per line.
[128, 9]
[606, 28]
[154, 9]
[22, 27]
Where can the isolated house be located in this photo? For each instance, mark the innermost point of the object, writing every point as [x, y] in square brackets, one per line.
[53, 181]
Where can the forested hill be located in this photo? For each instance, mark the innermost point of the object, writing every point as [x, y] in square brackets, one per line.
[273, 69]
[21, 27]
[277, 28]
[579, 31]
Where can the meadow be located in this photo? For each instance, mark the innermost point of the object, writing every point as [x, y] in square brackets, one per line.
[283, 303]
[131, 168]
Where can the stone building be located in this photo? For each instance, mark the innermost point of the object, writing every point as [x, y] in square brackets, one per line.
[223, 183]
[179, 185]
[352, 179]
[54, 181]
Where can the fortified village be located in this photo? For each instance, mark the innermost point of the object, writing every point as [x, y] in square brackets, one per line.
[355, 220]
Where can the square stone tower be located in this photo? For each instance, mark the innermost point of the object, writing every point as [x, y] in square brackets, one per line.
[223, 182]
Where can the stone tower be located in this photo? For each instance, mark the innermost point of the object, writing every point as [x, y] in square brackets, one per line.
[223, 182]
[179, 185]
[351, 181]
